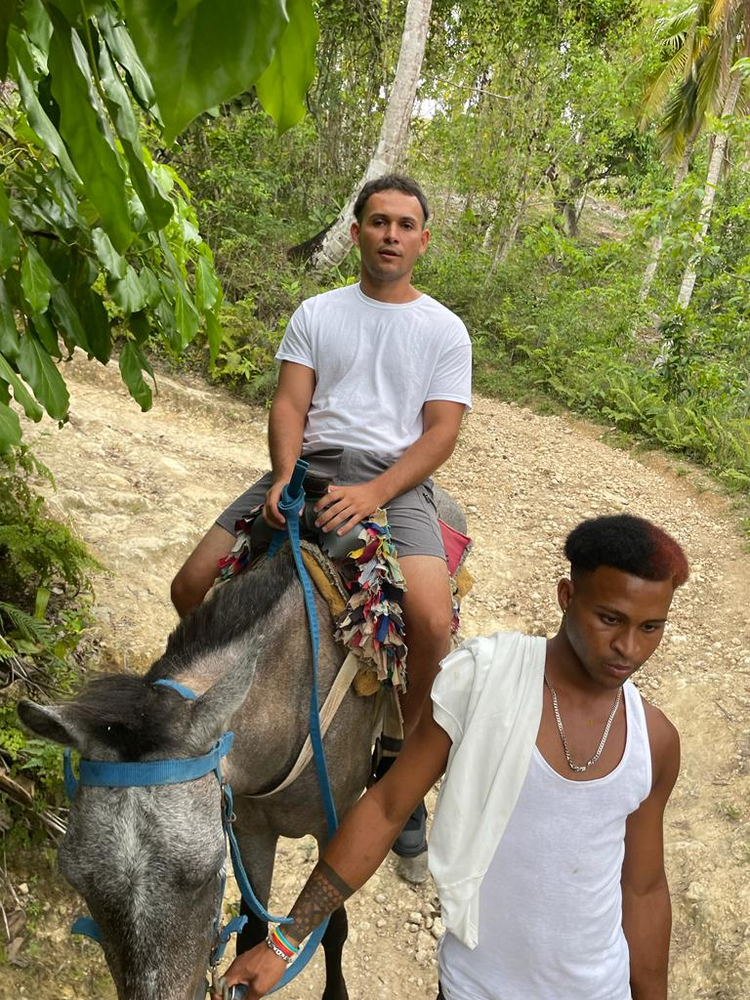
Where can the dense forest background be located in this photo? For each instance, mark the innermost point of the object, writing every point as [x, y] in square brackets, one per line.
[587, 166]
[565, 149]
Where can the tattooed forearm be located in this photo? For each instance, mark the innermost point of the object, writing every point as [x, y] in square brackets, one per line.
[325, 892]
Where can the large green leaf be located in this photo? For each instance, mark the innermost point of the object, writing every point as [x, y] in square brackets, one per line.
[38, 369]
[46, 333]
[69, 322]
[120, 44]
[128, 292]
[140, 327]
[4, 206]
[164, 317]
[184, 7]
[8, 332]
[36, 280]
[208, 293]
[9, 246]
[158, 208]
[114, 262]
[282, 87]
[22, 395]
[39, 120]
[7, 12]
[186, 317]
[10, 428]
[216, 51]
[76, 11]
[38, 25]
[132, 366]
[94, 158]
[215, 335]
[150, 286]
[62, 192]
[96, 323]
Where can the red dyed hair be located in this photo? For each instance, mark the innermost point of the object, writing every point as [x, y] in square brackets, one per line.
[631, 544]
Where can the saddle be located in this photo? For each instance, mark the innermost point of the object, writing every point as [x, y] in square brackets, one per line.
[359, 577]
[335, 546]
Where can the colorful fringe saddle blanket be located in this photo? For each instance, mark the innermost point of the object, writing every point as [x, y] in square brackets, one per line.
[364, 594]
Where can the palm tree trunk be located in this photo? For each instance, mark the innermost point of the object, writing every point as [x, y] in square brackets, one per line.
[394, 133]
[709, 196]
[657, 241]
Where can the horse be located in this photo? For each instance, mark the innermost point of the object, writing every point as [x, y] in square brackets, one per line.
[150, 860]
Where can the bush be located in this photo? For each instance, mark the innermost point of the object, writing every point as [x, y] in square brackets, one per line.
[562, 319]
[253, 327]
[44, 597]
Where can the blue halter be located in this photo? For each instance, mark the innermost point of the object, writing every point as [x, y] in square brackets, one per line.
[124, 774]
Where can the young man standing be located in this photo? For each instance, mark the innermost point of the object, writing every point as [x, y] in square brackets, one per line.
[547, 845]
[384, 372]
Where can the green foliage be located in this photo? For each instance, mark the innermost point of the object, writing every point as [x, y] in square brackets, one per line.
[282, 87]
[35, 549]
[44, 583]
[200, 54]
[254, 326]
[96, 239]
[561, 319]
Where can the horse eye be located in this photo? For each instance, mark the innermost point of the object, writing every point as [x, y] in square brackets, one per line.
[195, 880]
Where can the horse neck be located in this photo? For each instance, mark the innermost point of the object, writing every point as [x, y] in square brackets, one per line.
[272, 724]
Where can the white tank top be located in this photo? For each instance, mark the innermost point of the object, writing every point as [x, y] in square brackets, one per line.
[550, 909]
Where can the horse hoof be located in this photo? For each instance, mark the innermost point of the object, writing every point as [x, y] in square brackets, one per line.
[413, 869]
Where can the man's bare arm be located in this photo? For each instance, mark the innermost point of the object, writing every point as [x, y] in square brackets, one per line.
[370, 828]
[324, 892]
[646, 906]
[442, 422]
[355, 853]
[344, 506]
[286, 425]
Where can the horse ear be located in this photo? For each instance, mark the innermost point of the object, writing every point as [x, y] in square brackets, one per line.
[52, 722]
[214, 709]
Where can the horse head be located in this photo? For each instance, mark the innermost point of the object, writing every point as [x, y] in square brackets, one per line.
[149, 860]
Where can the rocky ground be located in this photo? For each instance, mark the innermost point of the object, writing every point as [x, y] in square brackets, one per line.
[142, 488]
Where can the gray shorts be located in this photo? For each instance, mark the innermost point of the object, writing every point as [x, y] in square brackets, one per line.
[412, 515]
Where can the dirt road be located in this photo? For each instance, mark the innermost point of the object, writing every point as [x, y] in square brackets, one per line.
[141, 489]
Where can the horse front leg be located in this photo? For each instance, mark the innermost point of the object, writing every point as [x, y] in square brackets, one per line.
[254, 931]
[333, 946]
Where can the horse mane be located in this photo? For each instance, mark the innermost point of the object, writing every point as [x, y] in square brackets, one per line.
[129, 714]
[237, 608]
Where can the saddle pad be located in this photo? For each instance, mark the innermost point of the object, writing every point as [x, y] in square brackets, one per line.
[324, 576]
[457, 546]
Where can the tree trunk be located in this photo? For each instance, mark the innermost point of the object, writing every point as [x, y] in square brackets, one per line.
[657, 241]
[712, 179]
[394, 134]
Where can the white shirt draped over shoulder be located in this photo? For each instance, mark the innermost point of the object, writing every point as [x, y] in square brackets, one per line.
[488, 699]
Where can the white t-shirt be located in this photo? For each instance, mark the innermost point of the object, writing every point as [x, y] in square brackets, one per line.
[376, 365]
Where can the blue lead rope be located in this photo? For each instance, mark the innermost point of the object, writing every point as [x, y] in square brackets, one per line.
[291, 503]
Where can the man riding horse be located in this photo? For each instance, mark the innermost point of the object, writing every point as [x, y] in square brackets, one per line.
[383, 372]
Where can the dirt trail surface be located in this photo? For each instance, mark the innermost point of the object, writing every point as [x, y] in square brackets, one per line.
[142, 488]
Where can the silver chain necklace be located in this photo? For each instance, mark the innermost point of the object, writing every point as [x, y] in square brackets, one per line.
[580, 768]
